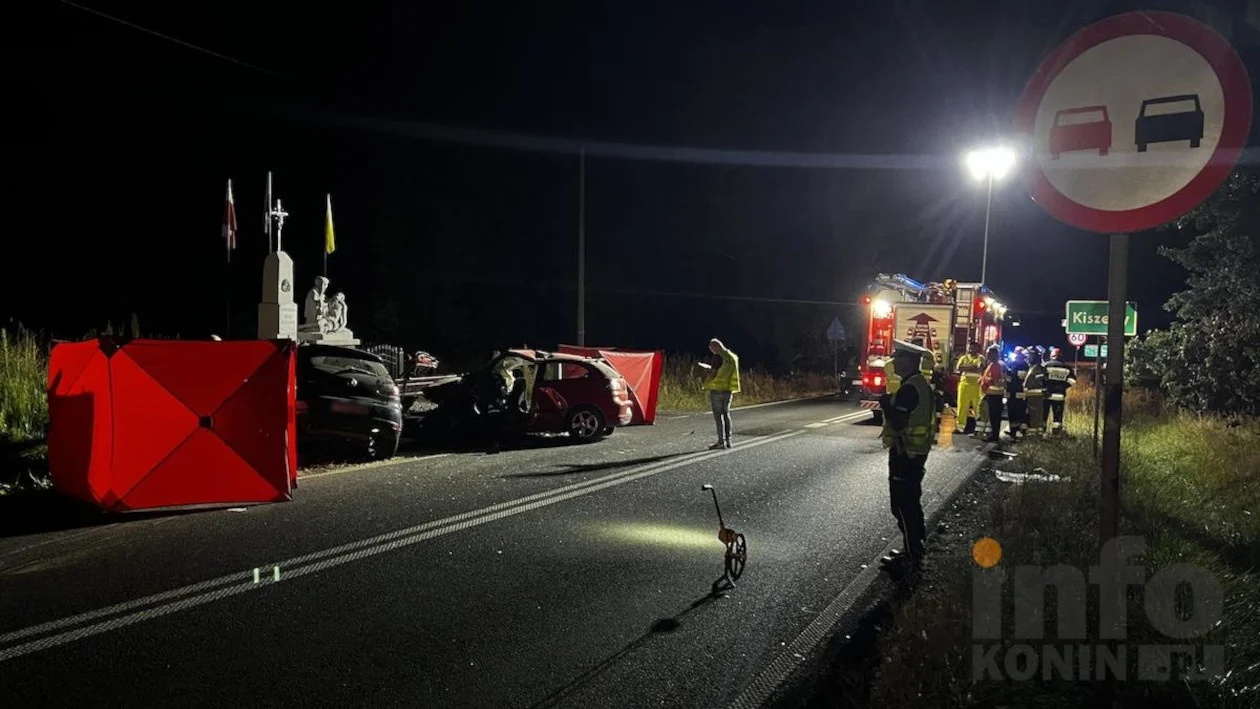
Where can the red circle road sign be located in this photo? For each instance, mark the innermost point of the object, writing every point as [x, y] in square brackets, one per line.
[1076, 339]
[1133, 121]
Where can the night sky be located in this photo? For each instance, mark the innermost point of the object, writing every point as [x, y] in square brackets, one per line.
[448, 135]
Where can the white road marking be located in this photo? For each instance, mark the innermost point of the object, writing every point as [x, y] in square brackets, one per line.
[854, 415]
[759, 691]
[373, 464]
[754, 406]
[168, 602]
[819, 424]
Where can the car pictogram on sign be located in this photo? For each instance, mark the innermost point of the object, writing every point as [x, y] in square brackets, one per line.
[1169, 127]
[1089, 128]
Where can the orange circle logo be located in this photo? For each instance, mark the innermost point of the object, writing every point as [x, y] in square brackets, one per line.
[987, 552]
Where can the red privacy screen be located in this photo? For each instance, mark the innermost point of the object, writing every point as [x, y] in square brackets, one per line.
[160, 423]
[641, 369]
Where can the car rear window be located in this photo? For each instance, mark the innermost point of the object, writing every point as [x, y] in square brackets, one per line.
[338, 364]
[1082, 118]
[607, 370]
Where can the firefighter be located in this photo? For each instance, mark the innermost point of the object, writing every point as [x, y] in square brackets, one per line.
[936, 382]
[908, 436]
[1016, 404]
[969, 368]
[892, 382]
[1058, 378]
[993, 384]
[1034, 392]
[927, 363]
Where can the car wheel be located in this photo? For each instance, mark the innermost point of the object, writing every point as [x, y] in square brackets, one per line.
[608, 431]
[878, 417]
[382, 447]
[1194, 143]
[1141, 147]
[585, 424]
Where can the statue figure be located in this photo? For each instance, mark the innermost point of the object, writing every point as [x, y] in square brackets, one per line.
[316, 310]
[338, 313]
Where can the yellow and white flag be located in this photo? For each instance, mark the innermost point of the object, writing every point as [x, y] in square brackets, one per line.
[330, 241]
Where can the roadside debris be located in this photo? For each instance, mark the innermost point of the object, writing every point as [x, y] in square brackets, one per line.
[1038, 475]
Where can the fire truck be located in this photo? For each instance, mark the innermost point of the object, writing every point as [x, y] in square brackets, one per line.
[945, 315]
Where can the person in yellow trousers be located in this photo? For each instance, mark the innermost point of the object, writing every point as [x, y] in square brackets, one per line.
[969, 368]
[722, 387]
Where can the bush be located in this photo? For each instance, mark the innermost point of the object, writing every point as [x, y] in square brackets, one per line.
[682, 385]
[23, 379]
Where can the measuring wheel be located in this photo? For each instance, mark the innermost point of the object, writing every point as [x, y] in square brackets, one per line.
[736, 557]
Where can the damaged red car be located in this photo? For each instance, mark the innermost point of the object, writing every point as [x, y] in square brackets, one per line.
[531, 391]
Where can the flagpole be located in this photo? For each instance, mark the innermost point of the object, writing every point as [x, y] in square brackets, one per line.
[328, 229]
[229, 217]
[267, 213]
[227, 299]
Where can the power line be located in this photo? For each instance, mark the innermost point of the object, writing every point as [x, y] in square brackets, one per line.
[169, 38]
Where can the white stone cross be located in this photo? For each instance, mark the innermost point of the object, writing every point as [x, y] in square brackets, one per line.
[279, 215]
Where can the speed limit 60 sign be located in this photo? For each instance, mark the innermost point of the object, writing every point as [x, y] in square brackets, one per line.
[1076, 339]
[1133, 121]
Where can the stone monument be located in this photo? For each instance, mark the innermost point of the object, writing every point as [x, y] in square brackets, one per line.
[325, 318]
[277, 313]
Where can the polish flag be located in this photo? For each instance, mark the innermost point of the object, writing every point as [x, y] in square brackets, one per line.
[229, 222]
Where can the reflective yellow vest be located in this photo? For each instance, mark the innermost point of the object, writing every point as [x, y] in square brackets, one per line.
[726, 378]
[916, 438]
[892, 381]
[970, 361]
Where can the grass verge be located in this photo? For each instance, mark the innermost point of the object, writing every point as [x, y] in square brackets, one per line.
[23, 411]
[1190, 490]
[682, 386]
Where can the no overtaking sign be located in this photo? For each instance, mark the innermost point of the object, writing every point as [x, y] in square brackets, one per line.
[1134, 121]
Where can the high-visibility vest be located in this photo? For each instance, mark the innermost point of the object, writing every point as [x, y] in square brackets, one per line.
[726, 378]
[916, 438]
[892, 379]
[970, 360]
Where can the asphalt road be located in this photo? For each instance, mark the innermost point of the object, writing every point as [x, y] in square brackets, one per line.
[556, 575]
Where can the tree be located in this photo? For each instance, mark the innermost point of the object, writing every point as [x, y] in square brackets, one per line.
[1209, 360]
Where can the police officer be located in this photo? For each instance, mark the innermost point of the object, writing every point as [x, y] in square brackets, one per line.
[908, 437]
[1059, 377]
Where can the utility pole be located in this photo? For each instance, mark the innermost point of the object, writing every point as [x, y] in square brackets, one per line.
[581, 284]
[988, 210]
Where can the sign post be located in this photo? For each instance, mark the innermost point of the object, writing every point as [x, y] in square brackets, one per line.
[1131, 122]
[836, 336]
[1098, 387]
